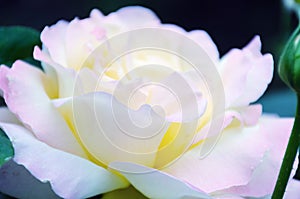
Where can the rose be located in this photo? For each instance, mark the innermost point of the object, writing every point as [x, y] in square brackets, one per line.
[53, 116]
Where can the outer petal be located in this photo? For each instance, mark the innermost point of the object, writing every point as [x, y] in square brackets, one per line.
[63, 78]
[205, 41]
[53, 39]
[252, 73]
[82, 37]
[69, 44]
[265, 175]
[133, 17]
[227, 165]
[25, 93]
[156, 184]
[70, 176]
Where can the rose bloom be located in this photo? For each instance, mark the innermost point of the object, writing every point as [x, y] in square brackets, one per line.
[53, 116]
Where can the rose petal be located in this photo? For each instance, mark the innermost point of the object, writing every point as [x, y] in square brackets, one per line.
[133, 17]
[168, 92]
[112, 132]
[80, 42]
[205, 41]
[53, 39]
[25, 95]
[70, 176]
[63, 78]
[245, 116]
[252, 73]
[263, 180]
[181, 102]
[232, 161]
[154, 183]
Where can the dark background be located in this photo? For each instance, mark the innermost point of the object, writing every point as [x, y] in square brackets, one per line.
[231, 23]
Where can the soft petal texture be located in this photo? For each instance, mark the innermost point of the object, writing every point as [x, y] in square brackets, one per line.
[112, 132]
[239, 151]
[25, 95]
[54, 39]
[61, 77]
[246, 74]
[205, 41]
[245, 116]
[180, 102]
[156, 184]
[275, 135]
[79, 38]
[127, 17]
[70, 176]
[175, 99]
[71, 39]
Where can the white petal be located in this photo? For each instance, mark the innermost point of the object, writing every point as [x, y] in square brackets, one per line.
[70, 176]
[233, 159]
[134, 17]
[112, 132]
[53, 39]
[245, 74]
[26, 96]
[276, 133]
[205, 41]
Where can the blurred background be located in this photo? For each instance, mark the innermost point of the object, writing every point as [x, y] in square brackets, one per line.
[231, 23]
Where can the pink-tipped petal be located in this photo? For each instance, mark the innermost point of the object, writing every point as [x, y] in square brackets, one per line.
[53, 39]
[233, 160]
[60, 77]
[25, 95]
[70, 176]
[276, 135]
[252, 74]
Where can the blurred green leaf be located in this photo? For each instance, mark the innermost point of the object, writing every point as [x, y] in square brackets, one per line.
[17, 42]
[6, 149]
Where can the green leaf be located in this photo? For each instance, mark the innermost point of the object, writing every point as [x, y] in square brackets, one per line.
[17, 42]
[6, 149]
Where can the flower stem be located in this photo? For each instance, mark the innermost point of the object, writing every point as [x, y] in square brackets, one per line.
[289, 156]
